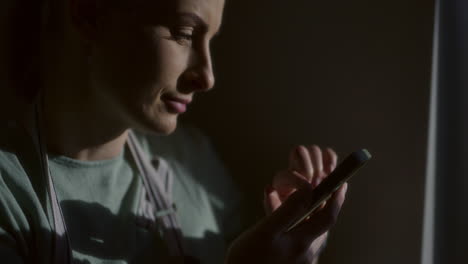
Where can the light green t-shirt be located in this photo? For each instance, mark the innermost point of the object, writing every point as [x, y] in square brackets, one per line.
[101, 202]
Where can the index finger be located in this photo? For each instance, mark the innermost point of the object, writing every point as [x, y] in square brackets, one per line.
[300, 161]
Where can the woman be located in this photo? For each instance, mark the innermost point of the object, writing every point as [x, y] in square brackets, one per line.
[113, 74]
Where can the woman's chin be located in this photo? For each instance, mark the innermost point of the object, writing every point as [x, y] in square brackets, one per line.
[166, 130]
[162, 126]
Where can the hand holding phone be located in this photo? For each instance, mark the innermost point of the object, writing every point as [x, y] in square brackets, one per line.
[333, 182]
[268, 240]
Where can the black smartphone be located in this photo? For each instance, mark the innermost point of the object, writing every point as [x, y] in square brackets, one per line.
[342, 173]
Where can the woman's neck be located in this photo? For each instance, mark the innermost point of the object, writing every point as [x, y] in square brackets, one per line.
[75, 128]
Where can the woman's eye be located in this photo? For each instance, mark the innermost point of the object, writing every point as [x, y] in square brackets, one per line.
[182, 36]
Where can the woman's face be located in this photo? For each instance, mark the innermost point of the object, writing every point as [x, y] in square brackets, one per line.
[149, 57]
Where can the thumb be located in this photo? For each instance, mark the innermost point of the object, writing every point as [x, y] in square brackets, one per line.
[322, 220]
[295, 206]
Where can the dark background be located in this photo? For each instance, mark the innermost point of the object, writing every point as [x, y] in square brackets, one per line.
[345, 74]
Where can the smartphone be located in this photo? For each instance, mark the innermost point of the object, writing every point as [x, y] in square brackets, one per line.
[342, 173]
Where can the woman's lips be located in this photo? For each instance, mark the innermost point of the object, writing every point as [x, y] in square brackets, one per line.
[176, 105]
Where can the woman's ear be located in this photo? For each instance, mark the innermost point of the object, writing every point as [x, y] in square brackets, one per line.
[84, 17]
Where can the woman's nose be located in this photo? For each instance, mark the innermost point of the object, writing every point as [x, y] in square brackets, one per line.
[201, 76]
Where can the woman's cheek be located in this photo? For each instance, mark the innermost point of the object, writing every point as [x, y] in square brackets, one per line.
[174, 60]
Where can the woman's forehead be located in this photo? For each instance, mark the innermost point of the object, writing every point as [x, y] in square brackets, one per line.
[214, 6]
[210, 11]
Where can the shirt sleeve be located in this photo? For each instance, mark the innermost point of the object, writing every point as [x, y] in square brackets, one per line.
[22, 240]
[8, 251]
[9, 248]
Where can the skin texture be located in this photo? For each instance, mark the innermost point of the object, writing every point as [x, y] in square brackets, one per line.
[115, 63]
[108, 66]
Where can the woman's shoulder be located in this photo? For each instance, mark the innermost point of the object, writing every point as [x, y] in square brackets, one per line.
[15, 148]
[19, 166]
[19, 169]
[21, 210]
[18, 158]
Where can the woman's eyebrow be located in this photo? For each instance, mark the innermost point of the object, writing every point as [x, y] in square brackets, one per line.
[194, 19]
